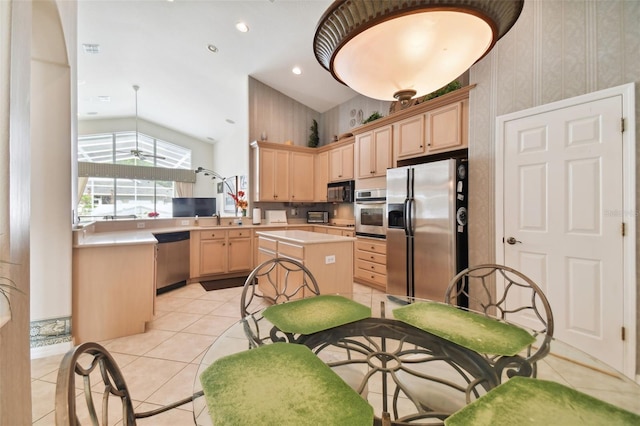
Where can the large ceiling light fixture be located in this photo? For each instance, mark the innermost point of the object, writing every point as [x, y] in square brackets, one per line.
[395, 49]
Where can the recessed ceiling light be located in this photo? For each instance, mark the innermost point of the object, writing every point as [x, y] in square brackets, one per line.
[91, 48]
[296, 70]
[92, 113]
[230, 121]
[104, 98]
[212, 48]
[242, 27]
[210, 139]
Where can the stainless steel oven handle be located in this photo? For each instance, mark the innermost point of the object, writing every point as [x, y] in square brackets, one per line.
[382, 203]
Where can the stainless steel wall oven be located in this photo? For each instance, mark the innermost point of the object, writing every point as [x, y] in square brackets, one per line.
[371, 212]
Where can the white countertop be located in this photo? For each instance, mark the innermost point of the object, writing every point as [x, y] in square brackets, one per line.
[87, 238]
[305, 237]
[117, 238]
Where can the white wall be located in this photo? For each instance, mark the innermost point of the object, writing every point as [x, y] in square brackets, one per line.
[556, 50]
[51, 141]
[231, 155]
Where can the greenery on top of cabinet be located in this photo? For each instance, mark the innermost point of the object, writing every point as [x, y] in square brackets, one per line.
[373, 117]
[314, 139]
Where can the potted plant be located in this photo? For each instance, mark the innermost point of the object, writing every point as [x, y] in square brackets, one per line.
[373, 117]
[314, 139]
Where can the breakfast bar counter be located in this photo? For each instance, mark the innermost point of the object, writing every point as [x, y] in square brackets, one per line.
[328, 257]
[297, 236]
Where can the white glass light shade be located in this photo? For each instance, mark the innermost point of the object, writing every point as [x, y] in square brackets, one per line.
[421, 51]
[408, 47]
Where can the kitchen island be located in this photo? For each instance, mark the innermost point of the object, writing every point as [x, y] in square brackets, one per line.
[114, 266]
[328, 257]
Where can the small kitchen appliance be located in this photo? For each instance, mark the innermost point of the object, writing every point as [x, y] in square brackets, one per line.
[317, 217]
[340, 192]
[275, 217]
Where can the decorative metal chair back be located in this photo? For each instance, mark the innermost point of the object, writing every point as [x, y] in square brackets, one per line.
[274, 281]
[476, 284]
[92, 365]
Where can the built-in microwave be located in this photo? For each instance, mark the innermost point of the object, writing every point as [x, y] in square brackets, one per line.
[340, 192]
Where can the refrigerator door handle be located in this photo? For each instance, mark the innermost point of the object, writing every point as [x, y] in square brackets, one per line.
[408, 223]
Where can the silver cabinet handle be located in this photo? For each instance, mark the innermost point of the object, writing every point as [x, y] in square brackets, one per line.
[512, 241]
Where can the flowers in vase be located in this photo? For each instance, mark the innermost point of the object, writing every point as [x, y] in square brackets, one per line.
[238, 197]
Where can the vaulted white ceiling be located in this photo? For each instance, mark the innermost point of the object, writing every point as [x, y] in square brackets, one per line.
[161, 46]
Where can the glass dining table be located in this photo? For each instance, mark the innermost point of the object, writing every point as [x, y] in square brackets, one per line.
[411, 372]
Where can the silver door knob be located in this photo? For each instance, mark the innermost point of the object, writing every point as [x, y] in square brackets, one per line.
[512, 241]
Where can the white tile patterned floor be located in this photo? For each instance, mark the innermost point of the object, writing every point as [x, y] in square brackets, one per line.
[159, 365]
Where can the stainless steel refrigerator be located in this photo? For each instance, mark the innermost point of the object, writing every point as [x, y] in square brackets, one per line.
[427, 228]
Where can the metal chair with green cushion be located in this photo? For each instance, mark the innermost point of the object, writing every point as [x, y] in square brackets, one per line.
[520, 296]
[100, 379]
[274, 281]
[280, 280]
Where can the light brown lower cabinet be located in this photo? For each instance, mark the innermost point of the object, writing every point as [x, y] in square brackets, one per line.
[371, 262]
[113, 291]
[220, 252]
[330, 263]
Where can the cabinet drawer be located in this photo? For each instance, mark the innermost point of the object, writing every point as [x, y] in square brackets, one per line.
[371, 267]
[374, 277]
[371, 257]
[212, 235]
[373, 246]
[239, 233]
[291, 250]
[267, 244]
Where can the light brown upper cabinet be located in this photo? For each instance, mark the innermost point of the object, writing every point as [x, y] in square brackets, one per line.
[410, 137]
[374, 152]
[284, 172]
[301, 176]
[341, 163]
[272, 167]
[321, 176]
[439, 130]
[447, 127]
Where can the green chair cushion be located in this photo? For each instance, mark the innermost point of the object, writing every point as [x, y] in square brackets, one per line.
[526, 401]
[307, 316]
[280, 384]
[471, 330]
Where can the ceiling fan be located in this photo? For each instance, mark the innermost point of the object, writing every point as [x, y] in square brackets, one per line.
[137, 152]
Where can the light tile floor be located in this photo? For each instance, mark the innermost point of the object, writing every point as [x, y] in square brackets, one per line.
[159, 365]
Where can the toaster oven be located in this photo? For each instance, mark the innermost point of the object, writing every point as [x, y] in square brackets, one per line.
[317, 217]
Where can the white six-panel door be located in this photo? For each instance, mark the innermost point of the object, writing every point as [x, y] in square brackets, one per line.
[560, 213]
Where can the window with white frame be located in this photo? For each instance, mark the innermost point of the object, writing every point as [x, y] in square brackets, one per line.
[122, 176]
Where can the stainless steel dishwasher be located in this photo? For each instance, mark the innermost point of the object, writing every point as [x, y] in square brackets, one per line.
[172, 262]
